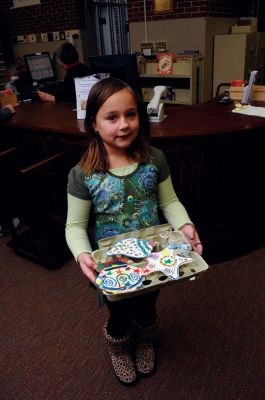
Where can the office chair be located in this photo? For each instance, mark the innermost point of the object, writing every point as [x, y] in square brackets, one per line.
[44, 206]
[224, 85]
[12, 157]
[35, 191]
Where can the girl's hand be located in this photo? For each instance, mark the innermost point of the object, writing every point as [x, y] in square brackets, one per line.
[45, 96]
[192, 235]
[88, 266]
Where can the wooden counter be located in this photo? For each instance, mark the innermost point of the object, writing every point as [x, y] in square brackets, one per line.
[216, 159]
[182, 121]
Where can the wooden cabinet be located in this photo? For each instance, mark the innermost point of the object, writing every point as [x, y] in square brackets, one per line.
[185, 83]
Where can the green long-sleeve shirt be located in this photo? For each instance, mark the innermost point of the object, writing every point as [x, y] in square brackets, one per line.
[121, 200]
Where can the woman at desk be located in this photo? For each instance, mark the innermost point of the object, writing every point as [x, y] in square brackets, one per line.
[68, 58]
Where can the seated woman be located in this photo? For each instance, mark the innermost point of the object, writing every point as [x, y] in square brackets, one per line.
[68, 58]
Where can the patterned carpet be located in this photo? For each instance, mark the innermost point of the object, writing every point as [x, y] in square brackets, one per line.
[211, 342]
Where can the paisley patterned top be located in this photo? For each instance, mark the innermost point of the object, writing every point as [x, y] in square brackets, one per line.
[121, 203]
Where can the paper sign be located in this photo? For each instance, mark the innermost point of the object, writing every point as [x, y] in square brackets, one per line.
[165, 64]
[82, 89]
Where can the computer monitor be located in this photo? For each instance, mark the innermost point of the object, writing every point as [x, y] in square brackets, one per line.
[122, 66]
[39, 67]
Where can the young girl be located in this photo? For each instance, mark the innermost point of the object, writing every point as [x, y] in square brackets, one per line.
[122, 181]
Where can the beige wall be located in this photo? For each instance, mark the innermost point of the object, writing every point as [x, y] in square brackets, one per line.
[174, 32]
[184, 34]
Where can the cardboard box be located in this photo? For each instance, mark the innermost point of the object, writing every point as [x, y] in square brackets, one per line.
[155, 280]
[258, 93]
[243, 29]
[7, 97]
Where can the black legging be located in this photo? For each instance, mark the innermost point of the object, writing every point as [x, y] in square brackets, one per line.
[141, 308]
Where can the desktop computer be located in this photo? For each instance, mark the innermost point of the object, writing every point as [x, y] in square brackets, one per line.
[40, 67]
[39, 75]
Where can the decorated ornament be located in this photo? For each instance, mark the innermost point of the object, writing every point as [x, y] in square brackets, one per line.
[115, 262]
[182, 248]
[120, 279]
[165, 261]
[132, 247]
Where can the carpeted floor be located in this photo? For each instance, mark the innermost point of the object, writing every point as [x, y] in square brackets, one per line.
[211, 342]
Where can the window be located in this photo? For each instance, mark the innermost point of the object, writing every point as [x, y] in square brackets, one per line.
[111, 20]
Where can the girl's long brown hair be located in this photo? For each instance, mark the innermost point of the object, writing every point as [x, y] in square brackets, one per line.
[95, 157]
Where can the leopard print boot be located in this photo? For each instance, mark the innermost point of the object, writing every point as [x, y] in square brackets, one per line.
[145, 357]
[119, 351]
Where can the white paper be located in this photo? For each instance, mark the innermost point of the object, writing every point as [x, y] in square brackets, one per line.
[251, 110]
[82, 89]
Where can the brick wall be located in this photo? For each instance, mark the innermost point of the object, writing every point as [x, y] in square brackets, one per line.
[188, 9]
[58, 15]
[48, 16]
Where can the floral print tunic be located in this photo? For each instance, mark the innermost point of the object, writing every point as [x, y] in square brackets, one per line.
[121, 203]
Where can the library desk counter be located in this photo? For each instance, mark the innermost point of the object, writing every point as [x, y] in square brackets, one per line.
[53, 125]
[216, 159]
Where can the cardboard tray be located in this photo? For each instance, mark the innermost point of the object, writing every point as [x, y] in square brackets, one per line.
[155, 280]
[6, 99]
[258, 93]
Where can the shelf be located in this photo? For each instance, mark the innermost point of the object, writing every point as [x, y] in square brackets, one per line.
[164, 76]
[184, 83]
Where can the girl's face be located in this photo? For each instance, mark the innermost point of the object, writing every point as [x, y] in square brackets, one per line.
[117, 121]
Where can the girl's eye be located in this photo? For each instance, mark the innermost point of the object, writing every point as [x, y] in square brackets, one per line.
[132, 114]
[111, 117]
